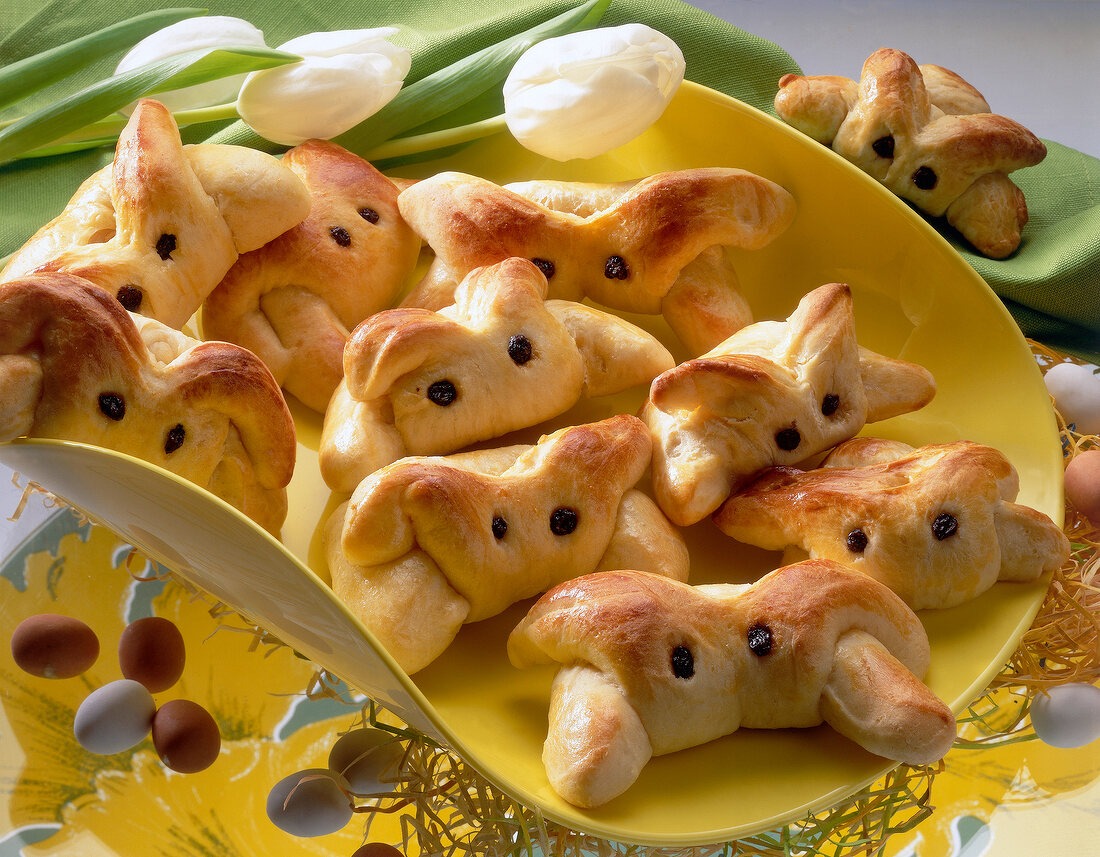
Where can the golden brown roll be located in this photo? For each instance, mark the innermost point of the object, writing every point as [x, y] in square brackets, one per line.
[651, 665]
[927, 135]
[75, 365]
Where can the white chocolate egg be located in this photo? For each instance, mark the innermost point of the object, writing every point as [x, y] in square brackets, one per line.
[1076, 391]
[114, 718]
[1068, 715]
[312, 802]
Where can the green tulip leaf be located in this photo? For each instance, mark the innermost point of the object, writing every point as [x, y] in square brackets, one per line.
[22, 78]
[100, 99]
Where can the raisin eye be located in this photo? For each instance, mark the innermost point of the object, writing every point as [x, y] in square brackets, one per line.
[856, 541]
[925, 178]
[499, 527]
[368, 214]
[130, 297]
[563, 521]
[546, 266]
[683, 664]
[442, 393]
[760, 639]
[112, 405]
[615, 268]
[519, 349]
[829, 404]
[165, 245]
[340, 235]
[788, 439]
[884, 146]
[174, 439]
[945, 526]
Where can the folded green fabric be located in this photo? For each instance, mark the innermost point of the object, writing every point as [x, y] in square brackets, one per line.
[1051, 285]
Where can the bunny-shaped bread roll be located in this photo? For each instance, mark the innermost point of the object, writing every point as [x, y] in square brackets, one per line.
[501, 358]
[429, 543]
[936, 524]
[928, 136]
[75, 365]
[651, 665]
[294, 300]
[773, 393]
[623, 246]
[160, 226]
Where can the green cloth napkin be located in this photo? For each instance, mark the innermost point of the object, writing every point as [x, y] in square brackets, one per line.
[1051, 285]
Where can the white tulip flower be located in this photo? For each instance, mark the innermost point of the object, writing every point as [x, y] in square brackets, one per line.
[344, 77]
[583, 94]
[216, 31]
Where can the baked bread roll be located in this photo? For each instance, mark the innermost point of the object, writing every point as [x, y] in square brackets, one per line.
[429, 543]
[652, 246]
[928, 136]
[75, 365]
[293, 301]
[936, 524]
[160, 226]
[773, 393]
[651, 665]
[500, 358]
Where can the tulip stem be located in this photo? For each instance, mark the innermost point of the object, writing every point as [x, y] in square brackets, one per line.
[433, 140]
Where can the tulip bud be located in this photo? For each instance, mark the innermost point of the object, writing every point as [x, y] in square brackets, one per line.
[344, 77]
[192, 34]
[583, 94]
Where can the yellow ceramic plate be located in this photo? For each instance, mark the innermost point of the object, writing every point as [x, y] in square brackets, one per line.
[914, 298]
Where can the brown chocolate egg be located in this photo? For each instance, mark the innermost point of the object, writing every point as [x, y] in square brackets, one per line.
[1083, 484]
[185, 736]
[52, 646]
[377, 849]
[151, 651]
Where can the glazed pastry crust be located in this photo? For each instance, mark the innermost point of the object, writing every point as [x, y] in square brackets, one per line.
[654, 228]
[843, 650]
[208, 411]
[165, 221]
[434, 516]
[947, 154]
[893, 494]
[294, 301]
[716, 420]
[512, 358]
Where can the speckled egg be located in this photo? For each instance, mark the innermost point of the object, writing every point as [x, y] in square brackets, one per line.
[52, 646]
[151, 651]
[1083, 484]
[310, 803]
[368, 758]
[186, 736]
[114, 717]
[1067, 715]
[1076, 391]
